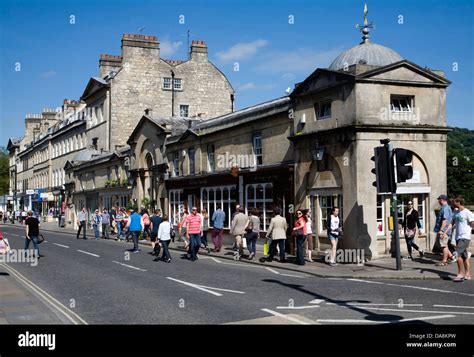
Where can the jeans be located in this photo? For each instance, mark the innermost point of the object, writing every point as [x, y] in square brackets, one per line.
[300, 239]
[136, 236]
[35, 244]
[252, 242]
[204, 238]
[119, 229]
[273, 245]
[146, 231]
[105, 230]
[82, 226]
[166, 252]
[410, 244]
[194, 244]
[217, 238]
[96, 231]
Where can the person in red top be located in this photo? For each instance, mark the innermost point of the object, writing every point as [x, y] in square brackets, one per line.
[146, 222]
[193, 225]
[301, 232]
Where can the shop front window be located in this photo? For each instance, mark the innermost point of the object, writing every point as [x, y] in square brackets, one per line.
[380, 215]
[260, 196]
[326, 204]
[225, 196]
[175, 206]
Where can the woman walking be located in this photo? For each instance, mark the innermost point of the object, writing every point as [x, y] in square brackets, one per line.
[334, 231]
[205, 229]
[410, 224]
[164, 238]
[146, 222]
[253, 231]
[309, 234]
[96, 223]
[300, 230]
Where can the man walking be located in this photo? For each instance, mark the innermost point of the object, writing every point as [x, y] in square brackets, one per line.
[239, 223]
[463, 222]
[81, 222]
[135, 224]
[32, 233]
[442, 229]
[105, 223]
[277, 231]
[218, 218]
[118, 222]
[156, 220]
[193, 233]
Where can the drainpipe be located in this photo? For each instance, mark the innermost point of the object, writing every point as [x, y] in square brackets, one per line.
[172, 93]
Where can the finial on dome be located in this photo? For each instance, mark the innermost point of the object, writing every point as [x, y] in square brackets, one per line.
[365, 28]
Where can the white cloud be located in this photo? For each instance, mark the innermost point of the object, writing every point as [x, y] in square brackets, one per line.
[48, 74]
[301, 60]
[241, 51]
[168, 48]
[253, 86]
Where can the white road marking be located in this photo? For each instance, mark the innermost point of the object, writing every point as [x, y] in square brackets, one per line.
[297, 307]
[289, 318]
[216, 260]
[456, 307]
[128, 266]
[411, 286]
[71, 315]
[316, 301]
[293, 276]
[13, 234]
[361, 321]
[424, 311]
[207, 289]
[273, 271]
[94, 255]
[60, 245]
[375, 304]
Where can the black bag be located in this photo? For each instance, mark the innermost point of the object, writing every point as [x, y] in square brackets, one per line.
[172, 232]
[157, 248]
[40, 239]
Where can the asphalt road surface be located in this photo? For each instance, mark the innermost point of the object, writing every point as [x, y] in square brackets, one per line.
[99, 282]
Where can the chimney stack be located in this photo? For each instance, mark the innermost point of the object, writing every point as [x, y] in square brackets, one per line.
[134, 46]
[108, 63]
[199, 50]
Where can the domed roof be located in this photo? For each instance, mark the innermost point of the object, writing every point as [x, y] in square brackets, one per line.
[367, 53]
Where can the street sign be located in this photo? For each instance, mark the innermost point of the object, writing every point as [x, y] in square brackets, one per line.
[30, 192]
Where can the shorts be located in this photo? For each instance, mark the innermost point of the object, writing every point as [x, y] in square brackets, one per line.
[462, 247]
[443, 240]
[333, 237]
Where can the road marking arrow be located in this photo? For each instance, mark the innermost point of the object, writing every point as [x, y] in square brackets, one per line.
[207, 289]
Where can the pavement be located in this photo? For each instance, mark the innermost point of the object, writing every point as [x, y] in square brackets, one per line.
[383, 268]
[101, 282]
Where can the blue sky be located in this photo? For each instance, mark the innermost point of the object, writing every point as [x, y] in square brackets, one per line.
[57, 57]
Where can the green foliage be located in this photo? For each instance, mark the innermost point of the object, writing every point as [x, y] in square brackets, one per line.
[4, 171]
[146, 202]
[460, 164]
[132, 205]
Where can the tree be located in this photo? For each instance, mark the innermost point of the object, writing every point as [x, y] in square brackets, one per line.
[4, 171]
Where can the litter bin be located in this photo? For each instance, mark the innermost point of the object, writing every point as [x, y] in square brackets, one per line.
[62, 221]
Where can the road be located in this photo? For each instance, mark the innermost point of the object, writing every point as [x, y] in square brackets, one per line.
[99, 282]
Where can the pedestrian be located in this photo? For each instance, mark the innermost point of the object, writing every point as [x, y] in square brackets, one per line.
[4, 244]
[205, 229]
[253, 232]
[277, 232]
[32, 233]
[410, 224]
[96, 223]
[113, 223]
[105, 223]
[218, 219]
[334, 225]
[300, 233]
[182, 228]
[146, 222]
[119, 216]
[309, 241]
[193, 233]
[156, 220]
[135, 224]
[23, 217]
[164, 237]
[442, 230]
[82, 223]
[237, 229]
[463, 221]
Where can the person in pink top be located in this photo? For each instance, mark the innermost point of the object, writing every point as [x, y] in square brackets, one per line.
[193, 225]
[301, 232]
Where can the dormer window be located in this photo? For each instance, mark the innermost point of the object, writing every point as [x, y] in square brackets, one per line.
[402, 103]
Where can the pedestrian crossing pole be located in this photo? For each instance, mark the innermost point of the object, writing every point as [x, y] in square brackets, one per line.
[391, 171]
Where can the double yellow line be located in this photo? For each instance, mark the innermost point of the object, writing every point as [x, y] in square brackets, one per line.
[57, 305]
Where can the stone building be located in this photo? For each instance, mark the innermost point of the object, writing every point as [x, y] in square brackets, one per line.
[368, 93]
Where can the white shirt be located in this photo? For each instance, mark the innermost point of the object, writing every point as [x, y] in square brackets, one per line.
[164, 231]
[462, 220]
[334, 224]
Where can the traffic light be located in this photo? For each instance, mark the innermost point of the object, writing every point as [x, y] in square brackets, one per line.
[382, 170]
[404, 164]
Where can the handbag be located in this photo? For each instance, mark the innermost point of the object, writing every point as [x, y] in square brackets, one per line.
[244, 242]
[409, 233]
[40, 239]
[266, 248]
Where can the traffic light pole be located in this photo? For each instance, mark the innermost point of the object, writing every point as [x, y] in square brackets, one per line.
[396, 232]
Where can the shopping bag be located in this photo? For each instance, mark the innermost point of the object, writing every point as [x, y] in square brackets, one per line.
[244, 242]
[265, 248]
